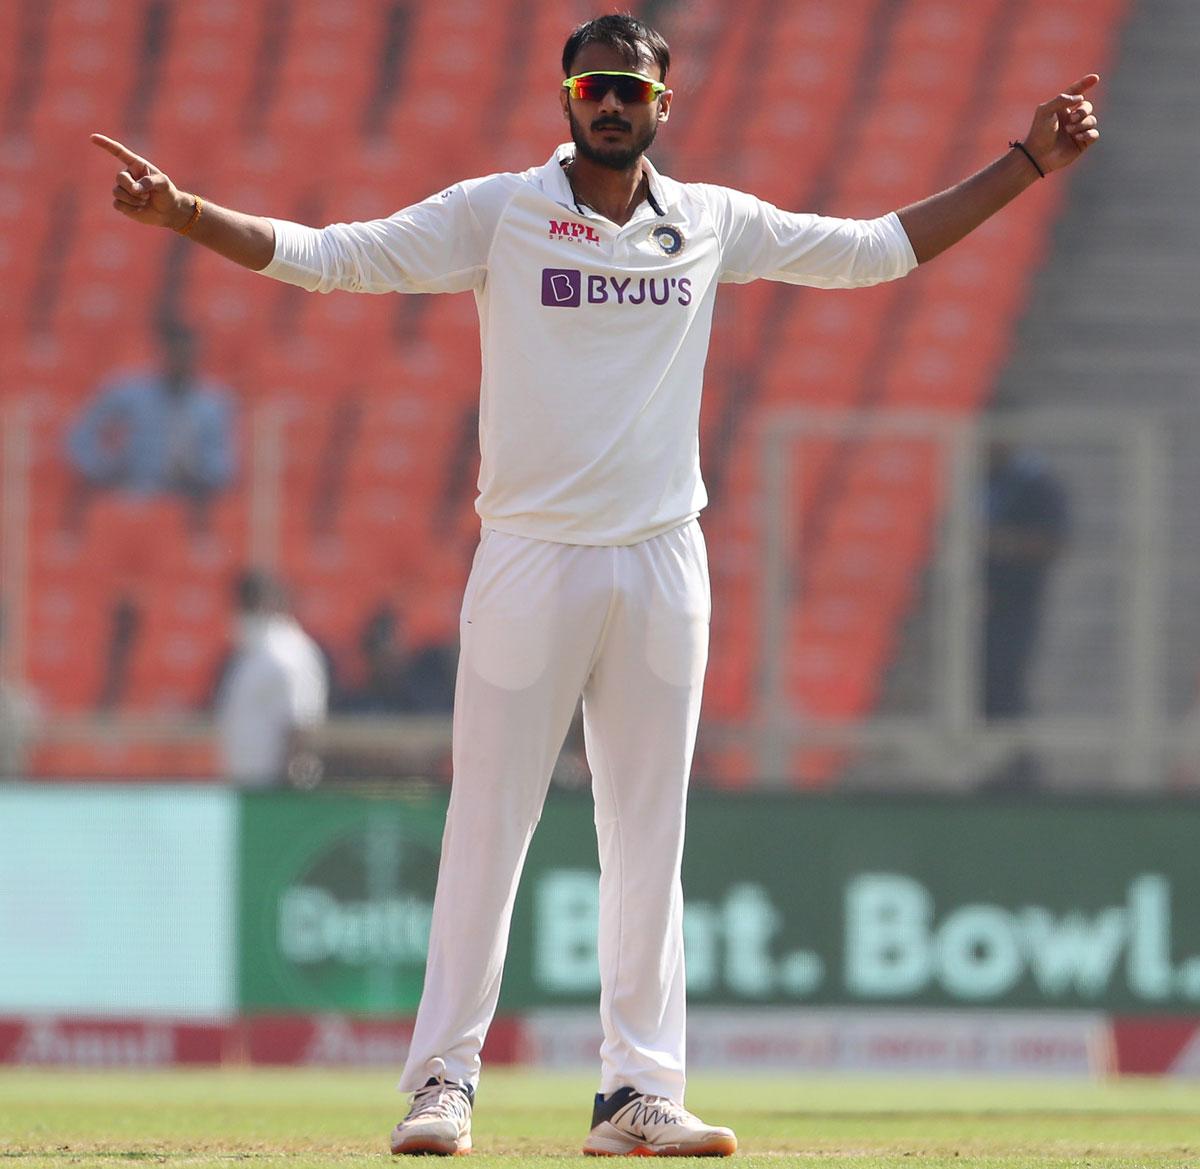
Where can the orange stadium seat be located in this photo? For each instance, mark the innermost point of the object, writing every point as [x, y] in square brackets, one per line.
[183, 635]
[811, 55]
[17, 30]
[387, 490]
[451, 78]
[527, 110]
[231, 309]
[327, 75]
[91, 54]
[101, 307]
[698, 141]
[207, 79]
[69, 625]
[826, 347]
[1043, 56]
[27, 221]
[49, 415]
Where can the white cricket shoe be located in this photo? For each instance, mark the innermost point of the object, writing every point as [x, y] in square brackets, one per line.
[628, 1124]
[439, 1119]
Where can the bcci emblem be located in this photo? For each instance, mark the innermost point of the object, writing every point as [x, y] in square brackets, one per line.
[669, 239]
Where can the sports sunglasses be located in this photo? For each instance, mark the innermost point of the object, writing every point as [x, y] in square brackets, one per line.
[629, 87]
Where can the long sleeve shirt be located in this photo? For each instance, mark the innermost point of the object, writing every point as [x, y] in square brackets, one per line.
[594, 335]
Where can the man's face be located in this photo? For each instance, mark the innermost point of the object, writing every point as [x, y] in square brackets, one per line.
[608, 132]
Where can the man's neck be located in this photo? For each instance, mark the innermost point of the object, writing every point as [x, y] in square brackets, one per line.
[615, 194]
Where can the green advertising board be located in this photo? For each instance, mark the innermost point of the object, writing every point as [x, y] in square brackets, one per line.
[789, 901]
[335, 899]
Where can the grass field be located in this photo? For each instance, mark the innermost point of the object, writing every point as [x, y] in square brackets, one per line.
[331, 1118]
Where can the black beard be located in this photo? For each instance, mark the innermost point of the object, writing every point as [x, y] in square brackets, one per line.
[619, 158]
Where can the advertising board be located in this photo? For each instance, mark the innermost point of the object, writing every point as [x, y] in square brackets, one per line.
[789, 902]
[117, 901]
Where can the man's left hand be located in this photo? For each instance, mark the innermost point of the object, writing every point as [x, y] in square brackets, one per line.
[1063, 127]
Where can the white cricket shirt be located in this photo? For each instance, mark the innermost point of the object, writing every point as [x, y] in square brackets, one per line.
[593, 336]
[276, 685]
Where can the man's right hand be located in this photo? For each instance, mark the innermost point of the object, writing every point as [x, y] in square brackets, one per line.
[143, 193]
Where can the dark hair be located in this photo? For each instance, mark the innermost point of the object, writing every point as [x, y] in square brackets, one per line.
[257, 591]
[628, 35]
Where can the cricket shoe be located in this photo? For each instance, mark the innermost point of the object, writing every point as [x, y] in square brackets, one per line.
[628, 1124]
[439, 1119]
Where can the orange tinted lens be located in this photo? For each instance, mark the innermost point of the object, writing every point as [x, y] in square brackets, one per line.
[596, 87]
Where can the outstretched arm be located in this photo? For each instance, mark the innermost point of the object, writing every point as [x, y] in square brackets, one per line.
[144, 194]
[1062, 129]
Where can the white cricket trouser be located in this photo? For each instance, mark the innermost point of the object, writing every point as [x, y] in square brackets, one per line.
[543, 623]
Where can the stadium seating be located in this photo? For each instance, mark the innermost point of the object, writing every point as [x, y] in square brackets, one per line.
[356, 414]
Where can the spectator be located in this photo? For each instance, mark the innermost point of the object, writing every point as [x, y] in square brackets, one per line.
[1025, 509]
[400, 679]
[143, 436]
[155, 433]
[275, 689]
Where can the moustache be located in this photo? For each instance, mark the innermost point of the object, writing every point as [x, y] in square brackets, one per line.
[610, 125]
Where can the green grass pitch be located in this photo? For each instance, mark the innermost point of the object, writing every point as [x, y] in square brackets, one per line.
[258, 1118]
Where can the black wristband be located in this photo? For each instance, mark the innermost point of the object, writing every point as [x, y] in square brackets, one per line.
[1024, 150]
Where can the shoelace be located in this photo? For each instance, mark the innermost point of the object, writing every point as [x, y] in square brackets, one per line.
[661, 1110]
[442, 1100]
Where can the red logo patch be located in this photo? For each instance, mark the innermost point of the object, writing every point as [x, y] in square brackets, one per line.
[568, 230]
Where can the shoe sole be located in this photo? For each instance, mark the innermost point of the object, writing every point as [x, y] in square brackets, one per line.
[717, 1147]
[430, 1147]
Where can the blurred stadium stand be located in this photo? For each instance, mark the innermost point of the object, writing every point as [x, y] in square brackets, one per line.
[359, 412]
[1110, 327]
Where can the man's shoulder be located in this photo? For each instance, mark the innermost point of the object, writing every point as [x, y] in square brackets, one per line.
[701, 188]
[499, 186]
[715, 199]
[293, 645]
[480, 200]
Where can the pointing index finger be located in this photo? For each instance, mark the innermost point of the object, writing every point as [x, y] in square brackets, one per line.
[1083, 84]
[117, 149]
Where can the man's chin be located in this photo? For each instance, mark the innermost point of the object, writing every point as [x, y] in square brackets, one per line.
[615, 157]
[612, 159]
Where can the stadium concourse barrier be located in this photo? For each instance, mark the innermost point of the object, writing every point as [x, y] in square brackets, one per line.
[868, 101]
[195, 925]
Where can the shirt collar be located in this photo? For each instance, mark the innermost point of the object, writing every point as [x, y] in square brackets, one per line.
[554, 181]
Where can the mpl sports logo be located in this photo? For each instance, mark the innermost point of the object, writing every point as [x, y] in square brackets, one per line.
[568, 230]
[568, 288]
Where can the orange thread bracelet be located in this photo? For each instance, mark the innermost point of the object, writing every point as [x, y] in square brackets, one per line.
[196, 212]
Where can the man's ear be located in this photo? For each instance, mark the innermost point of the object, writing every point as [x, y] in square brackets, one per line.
[565, 99]
[664, 105]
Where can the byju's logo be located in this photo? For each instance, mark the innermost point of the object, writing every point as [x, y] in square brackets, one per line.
[562, 287]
